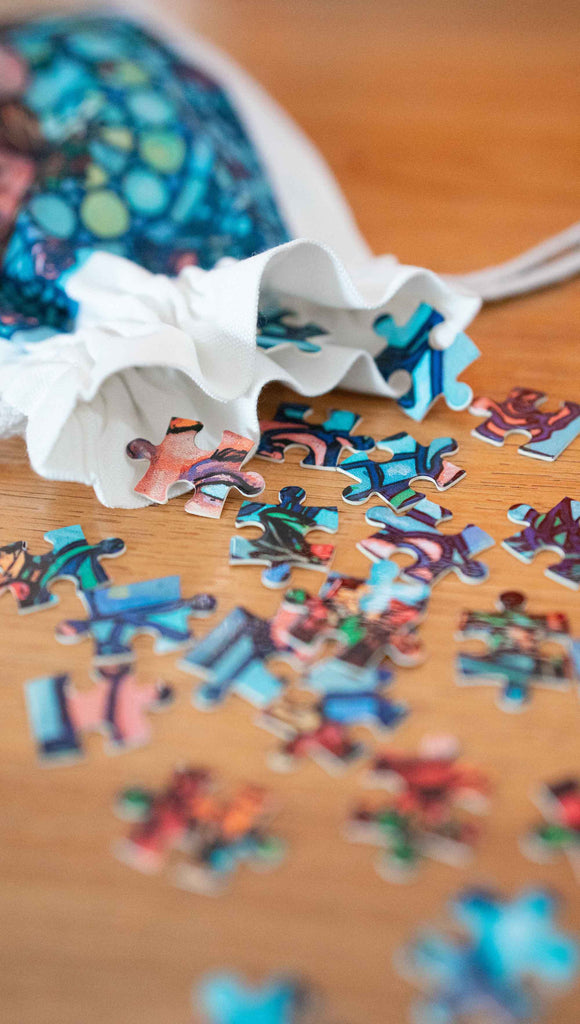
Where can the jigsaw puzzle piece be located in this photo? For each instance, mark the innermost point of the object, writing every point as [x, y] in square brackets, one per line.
[392, 480]
[116, 706]
[432, 371]
[514, 659]
[233, 658]
[324, 442]
[488, 972]
[549, 433]
[555, 530]
[274, 330]
[118, 614]
[29, 577]
[560, 833]
[306, 730]
[225, 999]
[437, 554]
[211, 473]
[283, 543]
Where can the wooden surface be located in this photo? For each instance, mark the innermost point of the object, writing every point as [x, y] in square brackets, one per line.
[453, 131]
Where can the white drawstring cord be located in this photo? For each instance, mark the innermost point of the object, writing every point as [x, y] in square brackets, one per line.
[536, 268]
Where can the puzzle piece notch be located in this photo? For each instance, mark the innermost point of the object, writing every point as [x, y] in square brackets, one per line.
[514, 659]
[556, 530]
[489, 971]
[422, 818]
[216, 834]
[431, 371]
[211, 473]
[29, 577]
[226, 999]
[274, 330]
[560, 833]
[116, 705]
[324, 442]
[392, 481]
[436, 553]
[548, 433]
[283, 544]
[119, 613]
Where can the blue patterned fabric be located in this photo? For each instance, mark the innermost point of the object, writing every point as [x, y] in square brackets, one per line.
[110, 141]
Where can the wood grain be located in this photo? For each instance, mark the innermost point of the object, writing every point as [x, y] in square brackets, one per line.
[453, 131]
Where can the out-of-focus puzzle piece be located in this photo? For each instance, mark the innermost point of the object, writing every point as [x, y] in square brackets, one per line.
[226, 999]
[324, 442]
[559, 802]
[214, 833]
[119, 613]
[392, 480]
[116, 705]
[29, 577]
[211, 473]
[274, 330]
[549, 433]
[307, 731]
[423, 816]
[436, 553]
[557, 530]
[514, 659]
[508, 944]
[432, 371]
[283, 544]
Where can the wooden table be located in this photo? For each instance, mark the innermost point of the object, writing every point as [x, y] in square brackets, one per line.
[453, 131]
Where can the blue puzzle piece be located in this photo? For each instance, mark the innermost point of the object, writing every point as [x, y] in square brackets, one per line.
[225, 999]
[436, 553]
[433, 371]
[392, 481]
[386, 586]
[364, 708]
[324, 442]
[274, 330]
[510, 942]
[283, 542]
[232, 657]
[118, 614]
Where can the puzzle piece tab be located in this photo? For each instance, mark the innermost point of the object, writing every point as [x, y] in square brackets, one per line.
[432, 371]
[118, 614]
[392, 480]
[556, 530]
[283, 544]
[324, 442]
[436, 553]
[549, 433]
[225, 999]
[211, 473]
[508, 943]
[274, 330]
[214, 833]
[560, 833]
[29, 577]
[116, 705]
[423, 817]
[514, 659]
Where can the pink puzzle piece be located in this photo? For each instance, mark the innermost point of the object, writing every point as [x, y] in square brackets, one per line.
[211, 473]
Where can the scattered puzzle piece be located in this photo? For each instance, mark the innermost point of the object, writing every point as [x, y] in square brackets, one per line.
[274, 330]
[118, 614]
[549, 433]
[283, 544]
[307, 731]
[508, 944]
[392, 480]
[214, 834]
[116, 706]
[423, 817]
[29, 577]
[436, 553]
[324, 442]
[560, 833]
[225, 999]
[514, 659]
[557, 530]
[211, 473]
[432, 371]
